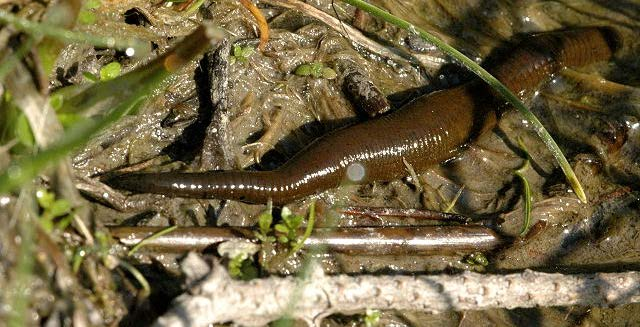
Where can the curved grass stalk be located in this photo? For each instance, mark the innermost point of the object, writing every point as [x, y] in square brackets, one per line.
[520, 172]
[144, 284]
[307, 232]
[150, 238]
[489, 79]
[527, 199]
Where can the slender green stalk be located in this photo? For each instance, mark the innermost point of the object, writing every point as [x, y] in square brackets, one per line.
[151, 237]
[38, 29]
[526, 188]
[307, 232]
[194, 6]
[146, 288]
[527, 198]
[492, 81]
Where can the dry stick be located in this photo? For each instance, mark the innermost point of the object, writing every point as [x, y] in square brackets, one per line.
[219, 298]
[355, 35]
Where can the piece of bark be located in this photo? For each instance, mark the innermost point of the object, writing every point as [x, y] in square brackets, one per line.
[215, 153]
[364, 95]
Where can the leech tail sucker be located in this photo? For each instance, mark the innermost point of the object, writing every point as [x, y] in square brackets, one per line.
[423, 133]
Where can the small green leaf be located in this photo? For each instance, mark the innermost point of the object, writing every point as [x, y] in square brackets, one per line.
[329, 73]
[316, 69]
[46, 223]
[285, 213]
[92, 4]
[264, 222]
[281, 228]
[69, 119]
[372, 318]
[241, 267]
[235, 265]
[86, 17]
[23, 131]
[283, 239]
[90, 77]
[45, 198]
[477, 258]
[60, 207]
[56, 100]
[247, 51]
[241, 54]
[296, 221]
[249, 271]
[303, 70]
[110, 71]
[237, 51]
[521, 173]
[64, 222]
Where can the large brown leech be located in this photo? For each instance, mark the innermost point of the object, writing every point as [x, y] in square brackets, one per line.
[424, 132]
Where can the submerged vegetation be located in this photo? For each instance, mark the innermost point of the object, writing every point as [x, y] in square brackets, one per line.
[81, 103]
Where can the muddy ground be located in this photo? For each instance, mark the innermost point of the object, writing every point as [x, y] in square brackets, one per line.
[255, 113]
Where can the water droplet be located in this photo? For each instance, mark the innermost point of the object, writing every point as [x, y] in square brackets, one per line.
[356, 172]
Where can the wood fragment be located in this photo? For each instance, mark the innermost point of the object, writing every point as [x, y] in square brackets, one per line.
[365, 96]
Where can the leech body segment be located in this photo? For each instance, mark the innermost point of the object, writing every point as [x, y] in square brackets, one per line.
[424, 132]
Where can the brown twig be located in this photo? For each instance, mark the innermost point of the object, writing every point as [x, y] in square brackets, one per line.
[263, 27]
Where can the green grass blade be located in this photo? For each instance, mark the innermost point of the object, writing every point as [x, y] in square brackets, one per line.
[23, 170]
[140, 83]
[65, 35]
[146, 288]
[150, 238]
[492, 81]
[307, 232]
[526, 188]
